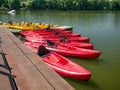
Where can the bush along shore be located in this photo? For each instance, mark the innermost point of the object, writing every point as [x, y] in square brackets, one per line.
[99, 5]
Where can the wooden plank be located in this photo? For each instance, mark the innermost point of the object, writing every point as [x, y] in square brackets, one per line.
[13, 47]
[5, 76]
[30, 71]
[20, 79]
[6, 32]
[24, 49]
[7, 40]
[3, 31]
[14, 39]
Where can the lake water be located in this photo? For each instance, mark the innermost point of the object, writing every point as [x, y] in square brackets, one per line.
[103, 28]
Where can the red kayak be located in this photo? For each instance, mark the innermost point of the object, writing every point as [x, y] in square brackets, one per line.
[46, 33]
[65, 67]
[75, 52]
[73, 44]
[54, 39]
[71, 51]
[78, 44]
[35, 32]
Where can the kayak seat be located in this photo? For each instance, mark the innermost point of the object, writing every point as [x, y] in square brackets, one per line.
[57, 33]
[45, 55]
[50, 43]
[42, 51]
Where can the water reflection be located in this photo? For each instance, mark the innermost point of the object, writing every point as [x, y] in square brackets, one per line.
[92, 85]
[87, 62]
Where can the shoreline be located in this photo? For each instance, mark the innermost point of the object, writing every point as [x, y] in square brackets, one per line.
[67, 10]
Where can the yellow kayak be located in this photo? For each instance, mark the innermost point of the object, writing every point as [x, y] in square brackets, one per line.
[35, 27]
[28, 26]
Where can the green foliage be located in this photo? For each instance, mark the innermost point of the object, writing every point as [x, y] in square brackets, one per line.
[15, 4]
[115, 5]
[62, 4]
[6, 3]
[1, 2]
[37, 4]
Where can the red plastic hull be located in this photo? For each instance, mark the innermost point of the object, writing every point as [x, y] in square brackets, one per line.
[40, 38]
[65, 67]
[46, 33]
[80, 45]
[71, 51]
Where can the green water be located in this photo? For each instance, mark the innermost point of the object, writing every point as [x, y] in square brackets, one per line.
[103, 28]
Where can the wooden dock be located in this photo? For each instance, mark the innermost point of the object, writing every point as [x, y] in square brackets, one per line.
[22, 69]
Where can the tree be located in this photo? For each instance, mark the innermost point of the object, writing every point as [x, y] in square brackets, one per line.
[1, 2]
[115, 6]
[15, 4]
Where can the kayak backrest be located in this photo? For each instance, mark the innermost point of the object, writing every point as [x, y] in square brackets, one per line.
[42, 50]
[50, 43]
